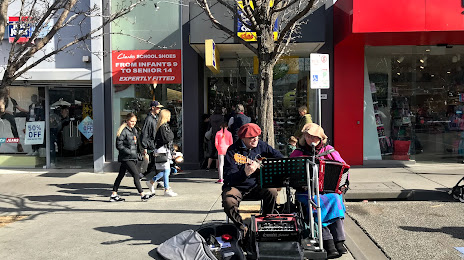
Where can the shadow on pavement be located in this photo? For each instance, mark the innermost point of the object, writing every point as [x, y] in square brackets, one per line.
[455, 232]
[138, 234]
[440, 194]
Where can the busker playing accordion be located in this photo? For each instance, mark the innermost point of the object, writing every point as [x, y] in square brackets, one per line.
[314, 142]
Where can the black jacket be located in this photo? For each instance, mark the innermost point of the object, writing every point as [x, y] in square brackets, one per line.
[126, 143]
[164, 136]
[234, 175]
[239, 120]
[149, 132]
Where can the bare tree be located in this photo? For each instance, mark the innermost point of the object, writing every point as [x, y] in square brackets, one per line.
[46, 19]
[260, 17]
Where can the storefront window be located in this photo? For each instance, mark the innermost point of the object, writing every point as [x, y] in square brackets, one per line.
[414, 101]
[22, 127]
[237, 84]
[136, 99]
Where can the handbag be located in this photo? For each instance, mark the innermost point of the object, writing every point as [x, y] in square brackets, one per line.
[209, 134]
[160, 157]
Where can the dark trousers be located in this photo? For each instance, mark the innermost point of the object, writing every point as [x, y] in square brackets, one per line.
[151, 168]
[231, 198]
[335, 231]
[10, 118]
[130, 166]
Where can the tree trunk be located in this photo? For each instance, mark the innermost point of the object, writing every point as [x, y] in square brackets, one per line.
[265, 100]
[3, 16]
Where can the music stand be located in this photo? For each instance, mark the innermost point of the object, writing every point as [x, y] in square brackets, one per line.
[294, 172]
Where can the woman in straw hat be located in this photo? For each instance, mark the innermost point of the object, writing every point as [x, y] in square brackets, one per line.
[314, 141]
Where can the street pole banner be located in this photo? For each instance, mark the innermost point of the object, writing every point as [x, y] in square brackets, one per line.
[319, 67]
[146, 67]
[35, 132]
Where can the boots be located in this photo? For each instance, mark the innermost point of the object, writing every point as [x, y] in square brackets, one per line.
[340, 246]
[329, 246]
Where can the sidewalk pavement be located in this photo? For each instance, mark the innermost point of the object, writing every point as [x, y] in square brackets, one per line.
[69, 214]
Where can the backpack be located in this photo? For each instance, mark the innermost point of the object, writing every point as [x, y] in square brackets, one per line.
[458, 191]
[187, 245]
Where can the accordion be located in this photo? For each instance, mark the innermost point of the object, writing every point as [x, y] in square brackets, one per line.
[332, 176]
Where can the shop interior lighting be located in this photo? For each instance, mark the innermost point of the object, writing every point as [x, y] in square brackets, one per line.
[398, 73]
[448, 72]
[400, 59]
[427, 50]
[421, 67]
[423, 60]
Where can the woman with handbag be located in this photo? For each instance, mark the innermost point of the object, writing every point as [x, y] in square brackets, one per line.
[163, 153]
[126, 143]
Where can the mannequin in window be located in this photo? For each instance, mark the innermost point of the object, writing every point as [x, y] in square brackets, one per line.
[8, 109]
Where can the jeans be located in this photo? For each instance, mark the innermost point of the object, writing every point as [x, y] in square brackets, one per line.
[165, 175]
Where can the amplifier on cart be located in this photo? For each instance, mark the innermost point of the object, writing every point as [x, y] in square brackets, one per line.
[273, 227]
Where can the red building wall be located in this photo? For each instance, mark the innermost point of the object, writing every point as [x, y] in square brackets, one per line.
[380, 23]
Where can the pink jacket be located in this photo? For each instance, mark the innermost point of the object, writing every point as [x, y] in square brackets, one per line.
[223, 143]
[335, 156]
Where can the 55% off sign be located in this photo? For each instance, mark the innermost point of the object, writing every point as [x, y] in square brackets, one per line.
[35, 132]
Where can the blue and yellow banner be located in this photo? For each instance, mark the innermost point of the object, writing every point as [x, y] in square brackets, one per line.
[243, 30]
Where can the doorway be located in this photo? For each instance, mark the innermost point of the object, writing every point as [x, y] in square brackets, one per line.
[71, 127]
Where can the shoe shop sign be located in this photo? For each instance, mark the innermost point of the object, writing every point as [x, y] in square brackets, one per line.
[319, 67]
[34, 132]
[146, 67]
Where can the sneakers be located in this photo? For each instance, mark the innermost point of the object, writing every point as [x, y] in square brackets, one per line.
[159, 185]
[146, 197]
[151, 187]
[169, 193]
[116, 198]
[220, 181]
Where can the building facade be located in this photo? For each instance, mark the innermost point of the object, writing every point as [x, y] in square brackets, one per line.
[78, 101]
[398, 77]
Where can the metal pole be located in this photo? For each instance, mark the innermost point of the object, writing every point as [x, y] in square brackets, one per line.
[47, 129]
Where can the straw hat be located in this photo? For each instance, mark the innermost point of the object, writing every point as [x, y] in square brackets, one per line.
[314, 130]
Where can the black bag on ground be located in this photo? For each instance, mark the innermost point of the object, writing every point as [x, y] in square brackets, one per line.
[187, 245]
[232, 252]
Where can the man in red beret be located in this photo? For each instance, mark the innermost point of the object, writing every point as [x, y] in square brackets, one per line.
[240, 180]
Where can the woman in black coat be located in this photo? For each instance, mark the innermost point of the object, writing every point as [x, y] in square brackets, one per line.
[126, 143]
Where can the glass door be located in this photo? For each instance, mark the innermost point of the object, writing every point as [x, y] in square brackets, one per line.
[71, 127]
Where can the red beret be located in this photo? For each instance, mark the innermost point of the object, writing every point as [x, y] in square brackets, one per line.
[249, 130]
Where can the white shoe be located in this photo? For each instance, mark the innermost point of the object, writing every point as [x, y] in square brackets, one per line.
[169, 193]
[150, 186]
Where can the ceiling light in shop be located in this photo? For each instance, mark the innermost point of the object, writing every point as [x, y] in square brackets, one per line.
[427, 50]
[448, 72]
[423, 60]
[421, 67]
[432, 75]
[398, 73]
[400, 59]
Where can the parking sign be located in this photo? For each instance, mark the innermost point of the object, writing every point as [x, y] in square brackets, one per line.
[320, 76]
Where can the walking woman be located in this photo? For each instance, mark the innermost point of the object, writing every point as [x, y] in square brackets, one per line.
[163, 144]
[222, 141]
[126, 143]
